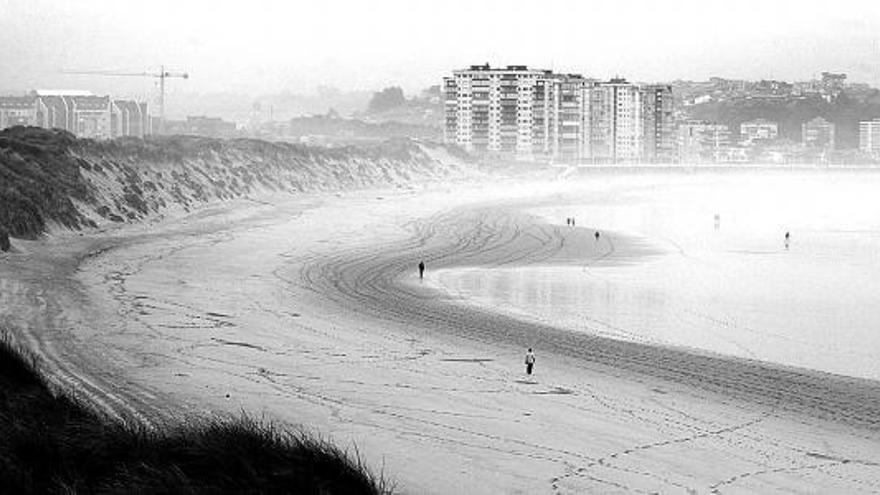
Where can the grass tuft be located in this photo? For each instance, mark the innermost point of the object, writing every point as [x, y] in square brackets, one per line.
[53, 444]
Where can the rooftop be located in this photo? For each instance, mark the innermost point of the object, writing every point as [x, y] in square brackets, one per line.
[63, 92]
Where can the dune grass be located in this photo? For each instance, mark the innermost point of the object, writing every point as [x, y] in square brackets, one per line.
[53, 444]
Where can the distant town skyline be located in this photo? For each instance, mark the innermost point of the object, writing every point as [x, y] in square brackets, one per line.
[265, 46]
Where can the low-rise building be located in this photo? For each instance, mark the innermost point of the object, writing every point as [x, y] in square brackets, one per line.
[702, 142]
[78, 112]
[17, 110]
[91, 116]
[758, 130]
[869, 136]
[818, 133]
[129, 118]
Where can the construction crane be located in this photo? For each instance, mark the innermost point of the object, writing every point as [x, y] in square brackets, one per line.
[161, 75]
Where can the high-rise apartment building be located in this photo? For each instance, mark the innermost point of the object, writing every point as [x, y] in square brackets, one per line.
[490, 110]
[530, 114]
[616, 122]
[658, 135]
[570, 117]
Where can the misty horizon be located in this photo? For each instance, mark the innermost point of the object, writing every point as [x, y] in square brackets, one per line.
[267, 47]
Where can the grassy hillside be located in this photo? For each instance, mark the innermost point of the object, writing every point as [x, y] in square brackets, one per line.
[52, 444]
[48, 177]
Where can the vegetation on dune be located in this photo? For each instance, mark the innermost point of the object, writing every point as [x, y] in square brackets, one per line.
[52, 444]
[38, 181]
[49, 177]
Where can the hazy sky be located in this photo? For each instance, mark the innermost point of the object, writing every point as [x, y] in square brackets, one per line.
[269, 46]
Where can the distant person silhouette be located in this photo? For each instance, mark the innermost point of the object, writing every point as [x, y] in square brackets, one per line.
[596, 235]
[421, 269]
[787, 239]
[530, 361]
[572, 221]
[568, 221]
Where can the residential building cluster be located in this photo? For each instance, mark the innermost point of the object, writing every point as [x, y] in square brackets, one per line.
[538, 115]
[79, 112]
[710, 142]
[100, 117]
[828, 87]
[523, 113]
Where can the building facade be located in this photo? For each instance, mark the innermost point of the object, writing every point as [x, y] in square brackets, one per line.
[758, 130]
[17, 110]
[78, 112]
[658, 135]
[703, 142]
[527, 114]
[490, 111]
[616, 134]
[818, 133]
[869, 136]
[129, 118]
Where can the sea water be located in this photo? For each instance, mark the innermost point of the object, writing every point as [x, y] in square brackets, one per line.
[723, 278]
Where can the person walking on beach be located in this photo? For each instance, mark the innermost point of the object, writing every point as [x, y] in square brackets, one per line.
[421, 269]
[787, 238]
[530, 361]
[597, 236]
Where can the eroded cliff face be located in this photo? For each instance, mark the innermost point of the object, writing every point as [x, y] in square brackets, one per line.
[49, 179]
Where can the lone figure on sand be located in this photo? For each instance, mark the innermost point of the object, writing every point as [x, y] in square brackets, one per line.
[597, 235]
[530, 361]
[421, 269]
[787, 238]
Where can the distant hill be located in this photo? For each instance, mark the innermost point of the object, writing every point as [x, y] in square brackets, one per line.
[334, 129]
[390, 105]
[243, 108]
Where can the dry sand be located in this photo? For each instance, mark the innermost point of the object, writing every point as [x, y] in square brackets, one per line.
[310, 312]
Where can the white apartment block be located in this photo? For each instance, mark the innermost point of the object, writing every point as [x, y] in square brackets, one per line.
[869, 136]
[491, 110]
[616, 122]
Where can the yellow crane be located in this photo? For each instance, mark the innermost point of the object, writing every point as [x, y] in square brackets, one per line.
[162, 74]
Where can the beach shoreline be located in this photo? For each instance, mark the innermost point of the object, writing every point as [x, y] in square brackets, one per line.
[310, 311]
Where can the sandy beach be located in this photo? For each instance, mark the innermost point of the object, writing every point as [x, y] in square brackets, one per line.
[310, 312]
